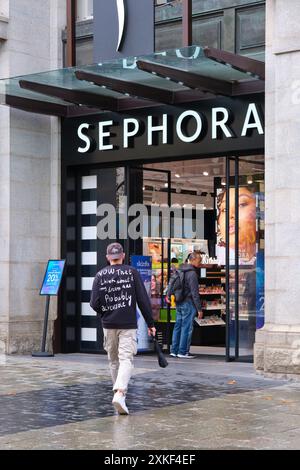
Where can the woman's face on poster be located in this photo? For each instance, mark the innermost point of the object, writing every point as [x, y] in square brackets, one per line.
[155, 251]
[247, 220]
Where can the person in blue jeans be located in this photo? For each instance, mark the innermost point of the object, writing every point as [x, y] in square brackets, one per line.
[187, 309]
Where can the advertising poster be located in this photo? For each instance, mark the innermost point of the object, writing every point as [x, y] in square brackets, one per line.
[260, 291]
[247, 225]
[53, 277]
[260, 262]
[177, 253]
[143, 264]
[251, 254]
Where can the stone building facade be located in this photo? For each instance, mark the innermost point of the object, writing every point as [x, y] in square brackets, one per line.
[277, 347]
[31, 40]
[29, 173]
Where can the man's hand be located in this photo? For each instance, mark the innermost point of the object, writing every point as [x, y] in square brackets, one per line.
[168, 300]
[200, 315]
[152, 331]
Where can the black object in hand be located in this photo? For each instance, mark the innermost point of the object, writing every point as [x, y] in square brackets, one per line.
[162, 361]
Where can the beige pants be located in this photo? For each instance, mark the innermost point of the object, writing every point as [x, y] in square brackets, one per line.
[121, 346]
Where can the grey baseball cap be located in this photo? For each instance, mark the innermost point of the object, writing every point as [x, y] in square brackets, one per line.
[114, 251]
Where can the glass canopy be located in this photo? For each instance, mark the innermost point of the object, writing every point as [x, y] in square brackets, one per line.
[173, 76]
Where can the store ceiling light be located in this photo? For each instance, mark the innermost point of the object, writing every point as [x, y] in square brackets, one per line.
[249, 180]
[177, 175]
[223, 182]
[166, 185]
[205, 173]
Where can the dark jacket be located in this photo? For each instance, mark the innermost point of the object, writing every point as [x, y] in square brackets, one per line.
[116, 291]
[191, 285]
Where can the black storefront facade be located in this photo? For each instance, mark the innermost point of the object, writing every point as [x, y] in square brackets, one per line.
[107, 155]
[181, 126]
[125, 119]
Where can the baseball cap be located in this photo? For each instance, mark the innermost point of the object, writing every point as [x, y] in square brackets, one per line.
[114, 251]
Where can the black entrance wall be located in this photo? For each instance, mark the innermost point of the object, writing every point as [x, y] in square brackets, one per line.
[76, 164]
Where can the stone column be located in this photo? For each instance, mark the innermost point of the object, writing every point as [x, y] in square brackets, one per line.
[4, 184]
[30, 170]
[4, 227]
[277, 347]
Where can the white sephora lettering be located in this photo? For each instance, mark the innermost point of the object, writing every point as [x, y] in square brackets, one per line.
[159, 131]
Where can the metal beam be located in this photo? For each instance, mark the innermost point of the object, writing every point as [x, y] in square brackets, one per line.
[238, 62]
[199, 82]
[80, 111]
[189, 96]
[188, 79]
[148, 95]
[71, 33]
[134, 89]
[248, 87]
[69, 111]
[81, 97]
[36, 106]
[187, 25]
[47, 108]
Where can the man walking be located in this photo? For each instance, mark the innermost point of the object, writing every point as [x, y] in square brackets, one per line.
[116, 291]
[186, 308]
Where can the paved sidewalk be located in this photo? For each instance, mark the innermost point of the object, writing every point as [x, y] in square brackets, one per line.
[204, 403]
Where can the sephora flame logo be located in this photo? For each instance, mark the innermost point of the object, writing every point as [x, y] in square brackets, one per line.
[121, 19]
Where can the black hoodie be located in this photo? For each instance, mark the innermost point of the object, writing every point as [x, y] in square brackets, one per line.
[191, 285]
[116, 291]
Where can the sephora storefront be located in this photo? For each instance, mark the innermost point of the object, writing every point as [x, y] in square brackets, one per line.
[165, 153]
[191, 141]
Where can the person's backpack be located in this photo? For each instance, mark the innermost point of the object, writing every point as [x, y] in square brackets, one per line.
[176, 286]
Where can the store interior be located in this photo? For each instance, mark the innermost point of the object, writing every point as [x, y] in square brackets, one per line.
[202, 182]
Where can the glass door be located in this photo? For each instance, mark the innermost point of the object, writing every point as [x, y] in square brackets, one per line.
[194, 186]
[244, 242]
[250, 252]
[152, 189]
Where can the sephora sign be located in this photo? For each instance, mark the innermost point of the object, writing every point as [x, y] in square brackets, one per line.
[212, 127]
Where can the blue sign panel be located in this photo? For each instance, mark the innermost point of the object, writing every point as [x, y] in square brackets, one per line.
[53, 277]
[143, 264]
[260, 290]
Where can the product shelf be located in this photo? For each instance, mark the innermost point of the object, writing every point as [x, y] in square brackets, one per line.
[212, 293]
[217, 307]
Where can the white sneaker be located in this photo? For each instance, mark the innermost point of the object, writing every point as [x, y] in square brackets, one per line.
[185, 356]
[119, 403]
[173, 354]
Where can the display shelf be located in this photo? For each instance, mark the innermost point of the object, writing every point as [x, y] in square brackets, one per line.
[163, 316]
[211, 321]
[213, 296]
[213, 277]
[219, 307]
[211, 293]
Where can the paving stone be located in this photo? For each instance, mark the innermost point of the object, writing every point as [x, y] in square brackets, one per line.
[65, 403]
